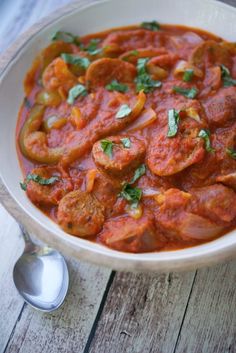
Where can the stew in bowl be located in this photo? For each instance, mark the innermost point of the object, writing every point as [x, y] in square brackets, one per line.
[127, 137]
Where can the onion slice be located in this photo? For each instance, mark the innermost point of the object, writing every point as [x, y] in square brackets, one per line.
[147, 117]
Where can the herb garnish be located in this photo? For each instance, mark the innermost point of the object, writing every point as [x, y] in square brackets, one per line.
[231, 152]
[126, 142]
[152, 26]
[144, 82]
[116, 86]
[92, 47]
[187, 92]
[205, 135]
[107, 147]
[38, 179]
[76, 60]
[130, 193]
[173, 122]
[226, 76]
[188, 75]
[66, 37]
[75, 92]
[123, 111]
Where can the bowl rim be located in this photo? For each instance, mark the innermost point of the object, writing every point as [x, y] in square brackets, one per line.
[160, 261]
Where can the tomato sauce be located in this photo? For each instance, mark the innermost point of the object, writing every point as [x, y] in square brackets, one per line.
[128, 137]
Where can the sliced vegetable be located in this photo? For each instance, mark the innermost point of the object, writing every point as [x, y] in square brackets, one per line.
[76, 60]
[123, 111]
[226, 77]
[147, 117]
[144, 82]
[76, 118]
[54, 122]
[107, 147]
[205, 135]
[231, 152]
[38, 179]
[75, 92]
[126, 142]
[187, 92]
[90, 179]
[183, 66]
[135, 213]
[66, 37]
[188, 75]
[151, 26]
[116, 86]
[173, 122]
[49, 99]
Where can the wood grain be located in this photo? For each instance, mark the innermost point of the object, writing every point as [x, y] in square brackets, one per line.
[210, 321]
[143, 313]
[67, 329]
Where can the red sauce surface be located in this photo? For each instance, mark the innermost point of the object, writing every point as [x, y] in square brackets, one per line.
[160, 176]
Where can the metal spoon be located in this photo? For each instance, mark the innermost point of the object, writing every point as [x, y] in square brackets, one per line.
[41, 275]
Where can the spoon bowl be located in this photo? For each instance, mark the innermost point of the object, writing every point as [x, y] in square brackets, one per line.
[41, 276]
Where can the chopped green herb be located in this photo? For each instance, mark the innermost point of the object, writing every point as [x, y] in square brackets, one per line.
[130, 193]
[187, 92]
[38, 179]
[173, 122]
[27, 103]
[66, 37]
[75, 92]
[188, 75]
[124, 111]
[76, 60]
[140, 171]
[126, 142]
[143, 80]
[152, 26]
[116, 86]
[205, 135]
[226, 77]
[107, 147]
[134, 52]
[231, 152]
[92, 47]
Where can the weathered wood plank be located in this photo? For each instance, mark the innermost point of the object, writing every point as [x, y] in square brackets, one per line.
[210, 321]
[142, 313]
[10, 303]
[67, 329]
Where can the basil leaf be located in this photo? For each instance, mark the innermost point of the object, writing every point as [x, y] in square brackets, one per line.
[188, 75]
[140, 171]
[231, 152]
[228, 81]
[76, 60]
[205, 135]
[152, 26]
[65, 37]
[107, 147]
[124, 111]
[173, 122]
[187, 92]
[143, 80]
[126, 142]
[38, 179]
[116, 86]
[75, 92]
[131, 194]
[92, 47]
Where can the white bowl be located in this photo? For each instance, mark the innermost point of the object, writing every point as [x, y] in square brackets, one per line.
[82, 18]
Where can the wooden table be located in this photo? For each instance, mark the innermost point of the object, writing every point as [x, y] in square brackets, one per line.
[107, 311]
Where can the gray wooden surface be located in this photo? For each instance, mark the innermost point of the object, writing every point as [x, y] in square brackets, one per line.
[108, 312]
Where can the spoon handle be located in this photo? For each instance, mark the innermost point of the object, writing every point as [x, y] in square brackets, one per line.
[25, 234]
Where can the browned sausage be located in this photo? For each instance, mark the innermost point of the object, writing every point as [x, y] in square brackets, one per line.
[121, 160]
[80, 213]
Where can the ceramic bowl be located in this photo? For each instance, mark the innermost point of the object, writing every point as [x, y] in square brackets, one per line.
[81, 18]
